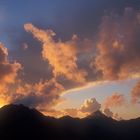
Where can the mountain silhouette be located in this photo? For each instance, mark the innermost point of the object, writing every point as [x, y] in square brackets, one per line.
[19, 122]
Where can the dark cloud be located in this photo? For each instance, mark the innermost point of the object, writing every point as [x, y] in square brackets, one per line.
[34, 68]
[43, 95]
[118, 46]
[135, 93]
[31, 100]
[84, 17]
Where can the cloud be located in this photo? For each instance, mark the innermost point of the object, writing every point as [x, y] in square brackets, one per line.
[8, 75]
[62, 56]
[90, 106]
[53, 112]
[69, 63]
[115, 100]
[118, 46]
[135, 93]
[108, 112]
[73, 112]
[43, 95]
[8, 71]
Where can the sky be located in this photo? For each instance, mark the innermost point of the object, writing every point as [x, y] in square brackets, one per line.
[68, 57]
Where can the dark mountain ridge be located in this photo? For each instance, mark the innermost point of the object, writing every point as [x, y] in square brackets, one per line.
[20, 122]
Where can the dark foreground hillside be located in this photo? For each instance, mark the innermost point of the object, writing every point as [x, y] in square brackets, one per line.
[19, 122]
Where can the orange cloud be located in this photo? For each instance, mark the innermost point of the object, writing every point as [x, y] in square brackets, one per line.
[8, 75]
[43, 95]
[62, 56]
[118, 46]
[135, 93]
[115, 100]
[8, 71]
[53, 112]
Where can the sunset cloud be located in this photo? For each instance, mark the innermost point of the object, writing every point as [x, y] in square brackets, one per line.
[115, 56]
[43, 95]
[115, 100]
[62, 56]
[118, 46]
[60, 67]
[135, 93]
[8, 75]
[8, 70]
[110, 114]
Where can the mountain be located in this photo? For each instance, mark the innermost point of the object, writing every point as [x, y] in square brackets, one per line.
[19, 122]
